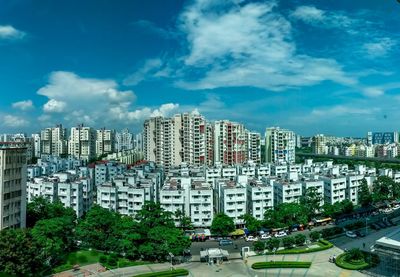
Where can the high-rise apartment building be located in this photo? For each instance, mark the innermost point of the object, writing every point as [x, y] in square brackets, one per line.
[36, 145]
[124, 140]
[105, 141]
[254, 147]
[319, 144]
[230, 142]
[279, 145]
[54, 141]
[179, 139]
[12, 185]
[82, 143]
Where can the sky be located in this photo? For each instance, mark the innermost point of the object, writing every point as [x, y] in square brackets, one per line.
[330, 67]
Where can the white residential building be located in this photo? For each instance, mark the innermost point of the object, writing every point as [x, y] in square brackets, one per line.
[260, 197]
[82, 143]
[334, 188]
[124, 140]
[105, 142]
[254, 147]
[201, 201]
[287, 191]
[279, 145]
[54, 141]
[313, 181]
[353, 184]
[233, 200]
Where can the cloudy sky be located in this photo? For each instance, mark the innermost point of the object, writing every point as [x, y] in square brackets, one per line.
[329, 66]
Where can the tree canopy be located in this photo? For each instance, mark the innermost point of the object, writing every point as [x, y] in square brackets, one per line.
[222, 225]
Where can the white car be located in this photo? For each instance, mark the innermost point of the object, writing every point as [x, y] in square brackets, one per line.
[395, 207]
[351, 234]
[280, 234]
[251, 238]
[265, 236]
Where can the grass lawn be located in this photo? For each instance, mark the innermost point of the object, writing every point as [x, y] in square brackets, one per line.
[166, 273]
[86, 257]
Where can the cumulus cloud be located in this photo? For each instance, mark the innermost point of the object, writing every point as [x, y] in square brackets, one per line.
[74, 99]
[248, 45]
[10, 33]
[149, 66]
[13, 121]
[23, 105]
[380, 47]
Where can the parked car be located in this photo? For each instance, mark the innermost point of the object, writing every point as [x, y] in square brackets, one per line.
[359, 234]
[251, 238]
[395, 207]
[265, 236]
[351, 234]
[385, 223]
[224, 242]
[375, 226]
[391, 222]
[281, 234]
[380, 224]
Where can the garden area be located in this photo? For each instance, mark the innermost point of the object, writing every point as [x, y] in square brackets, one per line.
[86, 257]
[355, 259]
[281, 264]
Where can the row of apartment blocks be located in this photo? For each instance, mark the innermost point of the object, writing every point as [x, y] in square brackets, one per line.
[83, 142]
[201, 191]
[189, 138]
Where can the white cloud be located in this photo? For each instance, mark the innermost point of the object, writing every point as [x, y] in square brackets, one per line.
[248, 45]
[341, 110]
[54, 106]
[325, 19]
[73, 99]
[379, 48]
[373, 92]
[149, 66]
[23, 105]
[9, 32]
[14, 121]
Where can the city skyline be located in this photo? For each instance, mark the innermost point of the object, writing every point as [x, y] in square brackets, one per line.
[63, 64]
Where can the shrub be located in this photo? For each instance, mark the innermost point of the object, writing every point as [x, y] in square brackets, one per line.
[330, 232]
[354, 254]
[299, 239]
[167, 273]
[355, 225]
[72, 259]
[315, 235]
[281, 264]
[82, 259]
[288, 242]
[258, 246]
[102, 259]
[273, 243]
[112, 260]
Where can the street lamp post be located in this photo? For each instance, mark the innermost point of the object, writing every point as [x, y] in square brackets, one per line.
[171, 256]
[366, 229]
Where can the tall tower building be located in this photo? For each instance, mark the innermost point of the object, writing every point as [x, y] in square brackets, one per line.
[124, 140]
[105, 142]
[12, 185]
[82, 143]
[36, 145]
[230, 142]
[54, 141]
[319, 144]
[279, 145]
[254, 146]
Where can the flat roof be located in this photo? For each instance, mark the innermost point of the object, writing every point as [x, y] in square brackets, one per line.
[391, 240]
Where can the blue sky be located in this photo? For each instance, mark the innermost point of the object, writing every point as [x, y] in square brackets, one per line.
[327, 67]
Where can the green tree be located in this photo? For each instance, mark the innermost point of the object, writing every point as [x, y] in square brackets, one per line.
[315, 235]
[152, 215]
[185, 222]
[364, 194]
[382, 188]
[311, 202]
[222, 225]
[258, 246]
[288, 242]
[55, 236]
[299, 239]
[287, 214]
[97, 229]
[41, 208]
[20, 254]
[347, 206]
[354, 254]
[273, 243]
[252, 224]
[126, 238]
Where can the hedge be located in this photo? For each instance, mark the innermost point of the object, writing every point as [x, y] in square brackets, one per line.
[355, 225]
[323, 245]
[371, 260]
[281, 264]
[330, 232]
[166, 273]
